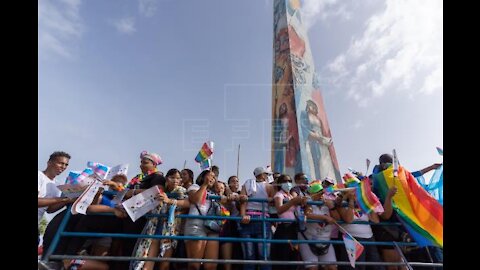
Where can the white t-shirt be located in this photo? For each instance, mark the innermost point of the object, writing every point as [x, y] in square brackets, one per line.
[47, 188]
[359, 230]
[193, 209]
[318, 231]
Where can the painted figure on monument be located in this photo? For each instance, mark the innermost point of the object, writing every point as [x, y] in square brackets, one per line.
[301, 137]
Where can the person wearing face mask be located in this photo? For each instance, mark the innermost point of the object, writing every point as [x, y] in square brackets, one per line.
[285, 229]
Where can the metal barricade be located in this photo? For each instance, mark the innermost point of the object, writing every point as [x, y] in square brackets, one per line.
[61, 233]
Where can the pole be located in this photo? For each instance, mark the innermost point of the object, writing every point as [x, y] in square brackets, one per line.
[238, 160]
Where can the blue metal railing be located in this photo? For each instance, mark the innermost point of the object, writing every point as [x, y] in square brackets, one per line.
[61, 233]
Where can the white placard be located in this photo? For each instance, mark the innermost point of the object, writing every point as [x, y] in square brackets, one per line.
[142, 203]
[86, 199]
[119, 169]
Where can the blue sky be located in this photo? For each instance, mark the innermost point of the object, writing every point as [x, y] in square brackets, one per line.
[119, 77]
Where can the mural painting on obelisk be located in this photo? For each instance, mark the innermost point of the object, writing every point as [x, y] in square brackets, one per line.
[301, 137]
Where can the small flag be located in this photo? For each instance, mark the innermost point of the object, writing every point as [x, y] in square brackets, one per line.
[440, 151]
[350, 180]
[72, 176]
[205, 152]
[98, 168]
[78, 178]
[205, 164]
[353, 247]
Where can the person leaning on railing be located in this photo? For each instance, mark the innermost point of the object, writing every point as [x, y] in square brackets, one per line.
[257, 188]
[232, 250]
[97, 223]
[199, 205]
[362, 232]
[326, 214]
[165, 248]
[285, 229]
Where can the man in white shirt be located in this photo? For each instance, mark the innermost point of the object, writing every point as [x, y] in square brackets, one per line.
[48, 194]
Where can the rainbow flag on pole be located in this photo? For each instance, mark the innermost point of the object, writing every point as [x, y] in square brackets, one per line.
[205, 152]
[365, 198]
[418, 211]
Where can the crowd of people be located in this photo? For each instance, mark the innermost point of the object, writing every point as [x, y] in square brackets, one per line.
[287, 199]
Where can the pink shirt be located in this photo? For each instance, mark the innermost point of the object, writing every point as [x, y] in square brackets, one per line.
[290, 212]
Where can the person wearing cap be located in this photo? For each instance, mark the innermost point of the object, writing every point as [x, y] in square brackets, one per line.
[326, 214]
[257, 188]
[327, 182]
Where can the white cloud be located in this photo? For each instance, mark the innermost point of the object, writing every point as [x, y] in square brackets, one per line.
[147, 7]
[59, 26]
[125, 25]
[400, 50]
[313, 10]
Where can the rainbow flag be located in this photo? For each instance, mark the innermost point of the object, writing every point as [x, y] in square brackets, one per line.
[205, 152]
[350, 180]
[418, 211]
[366, 199]
[224, 213]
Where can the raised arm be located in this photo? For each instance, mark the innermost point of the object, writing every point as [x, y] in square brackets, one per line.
[346, 213]
[429, 168]
[196, 196]
[387, 206]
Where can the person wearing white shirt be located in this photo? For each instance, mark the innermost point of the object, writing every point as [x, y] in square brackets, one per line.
[48, 194]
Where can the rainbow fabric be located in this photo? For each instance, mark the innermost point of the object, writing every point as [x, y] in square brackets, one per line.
[418, 211]
[205, 152]
[139, 177]
[350, 180]
[224, 213]
[366, 199]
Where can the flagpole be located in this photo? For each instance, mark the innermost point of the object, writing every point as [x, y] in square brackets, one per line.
[238, 159]
[402, 256]
[395, 168]
[184, 164]
[368, 164]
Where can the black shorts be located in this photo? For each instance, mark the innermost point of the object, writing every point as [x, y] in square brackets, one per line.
[393, 233]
